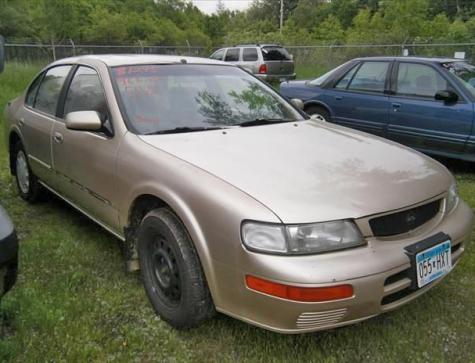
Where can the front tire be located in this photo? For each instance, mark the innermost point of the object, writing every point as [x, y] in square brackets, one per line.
[171, 271]
[27, 183]
[319, 111]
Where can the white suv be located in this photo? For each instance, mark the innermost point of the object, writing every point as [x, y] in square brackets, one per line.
[269, 62]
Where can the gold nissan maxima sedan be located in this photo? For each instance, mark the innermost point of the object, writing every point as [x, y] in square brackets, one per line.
[230, 199]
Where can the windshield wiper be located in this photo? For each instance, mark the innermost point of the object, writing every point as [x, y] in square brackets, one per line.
[178, 130]
[264, 121]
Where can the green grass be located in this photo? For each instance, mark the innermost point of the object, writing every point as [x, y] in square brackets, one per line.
[310, 71]
[73, 301]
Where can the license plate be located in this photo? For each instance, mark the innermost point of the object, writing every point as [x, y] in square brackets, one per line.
[433, 263]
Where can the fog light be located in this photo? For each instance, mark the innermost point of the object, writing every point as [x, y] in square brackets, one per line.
[296, 293]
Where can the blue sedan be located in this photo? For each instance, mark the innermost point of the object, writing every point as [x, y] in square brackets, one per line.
[425, 103]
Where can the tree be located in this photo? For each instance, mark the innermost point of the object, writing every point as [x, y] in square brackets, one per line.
[330, 31]
[220, 7]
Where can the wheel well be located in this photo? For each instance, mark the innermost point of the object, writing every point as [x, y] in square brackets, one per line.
[316, 105]
[12, 142]
[140, 207]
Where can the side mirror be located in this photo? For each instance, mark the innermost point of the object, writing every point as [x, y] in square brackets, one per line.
[297, 103]
[446, 96]
[2, 53]
[83, 120]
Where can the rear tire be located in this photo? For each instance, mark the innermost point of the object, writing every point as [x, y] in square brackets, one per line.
[320, 111]
[171, 271]
[27, 183]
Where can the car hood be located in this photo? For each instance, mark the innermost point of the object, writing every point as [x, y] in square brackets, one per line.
[312, 171]
[298, 89]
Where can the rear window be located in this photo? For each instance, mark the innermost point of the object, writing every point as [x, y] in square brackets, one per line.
[275, 54]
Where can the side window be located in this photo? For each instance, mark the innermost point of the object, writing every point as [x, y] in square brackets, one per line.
[419, 80]
[218, 55]
[249, 54]
[232, 55]
[86, 94]
[32, 91]
[50, 88]
[345, 81]
[370, 77]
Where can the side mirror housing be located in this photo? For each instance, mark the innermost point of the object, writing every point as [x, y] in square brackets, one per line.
[84, 121]
[297, 103]
[2, 53]
[446, 96]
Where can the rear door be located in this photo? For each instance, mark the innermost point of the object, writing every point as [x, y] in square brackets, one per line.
[278, 60]
[359, 99]
[250, 60]
[36, 119]
[232, 55]
[417, 119]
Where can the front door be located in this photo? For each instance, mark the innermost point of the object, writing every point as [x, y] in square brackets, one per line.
[418, 120]
[358, 100]
[85, 160]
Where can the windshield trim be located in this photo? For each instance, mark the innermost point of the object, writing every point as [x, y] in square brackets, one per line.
[129, 124]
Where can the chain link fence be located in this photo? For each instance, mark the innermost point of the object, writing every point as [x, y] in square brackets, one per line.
[329, 56]
[46, 53]
[318, 57]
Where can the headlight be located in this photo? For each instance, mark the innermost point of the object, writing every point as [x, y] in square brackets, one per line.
[301, 239]
[452, 198]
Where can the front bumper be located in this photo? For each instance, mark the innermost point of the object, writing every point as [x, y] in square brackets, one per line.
[378, 272]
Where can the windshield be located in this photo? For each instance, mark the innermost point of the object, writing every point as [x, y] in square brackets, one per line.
[464, 72]
[156, 98]
[319, 81]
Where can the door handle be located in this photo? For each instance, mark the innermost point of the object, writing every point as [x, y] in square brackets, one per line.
[396, 107]
[338, 98]
[58, 138]
[21, 122]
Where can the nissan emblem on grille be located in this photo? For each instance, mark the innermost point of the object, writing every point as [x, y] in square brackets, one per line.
[411, 219]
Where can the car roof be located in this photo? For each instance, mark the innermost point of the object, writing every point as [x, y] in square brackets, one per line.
[414, 58]
[113, 60]
[257, 45]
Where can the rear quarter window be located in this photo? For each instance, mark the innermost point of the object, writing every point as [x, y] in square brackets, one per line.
[33, 90]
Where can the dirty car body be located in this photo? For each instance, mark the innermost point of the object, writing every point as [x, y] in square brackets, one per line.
[297, 225]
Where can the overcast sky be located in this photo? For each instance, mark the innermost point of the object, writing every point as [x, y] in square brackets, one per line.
[209, 6]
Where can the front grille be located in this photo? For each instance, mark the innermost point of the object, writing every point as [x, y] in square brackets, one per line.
[405, 221]
[320, 318]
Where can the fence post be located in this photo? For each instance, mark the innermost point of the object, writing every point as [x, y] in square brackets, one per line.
[2, 53]
[402, 47]
[53, 49]
[141, 46]
[73, 45]
[189, 47]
